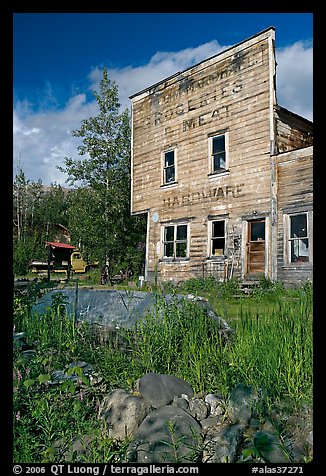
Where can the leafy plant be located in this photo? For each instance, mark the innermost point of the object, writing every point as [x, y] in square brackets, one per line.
[271, 350]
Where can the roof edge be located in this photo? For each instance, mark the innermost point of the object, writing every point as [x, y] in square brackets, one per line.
[291, 113]
[200, 62]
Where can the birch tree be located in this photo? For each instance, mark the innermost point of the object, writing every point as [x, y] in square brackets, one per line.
[104, 169]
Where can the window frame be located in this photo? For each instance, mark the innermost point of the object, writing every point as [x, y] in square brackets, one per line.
[175, 242]
[212, 237]
[165, 167]
[211, 156]
[289, 240]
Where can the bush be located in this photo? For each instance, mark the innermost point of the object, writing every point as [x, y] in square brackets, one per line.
[24, 252]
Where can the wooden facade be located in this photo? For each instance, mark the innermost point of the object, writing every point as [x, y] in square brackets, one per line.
[210, 150]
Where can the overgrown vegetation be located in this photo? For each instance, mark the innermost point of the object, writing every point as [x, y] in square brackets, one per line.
[271, 350]
[96, 211]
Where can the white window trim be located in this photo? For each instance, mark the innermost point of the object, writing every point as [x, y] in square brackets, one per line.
[287, 240]
[225, 171]
[174, 258]
[210, 237]
[175, 181]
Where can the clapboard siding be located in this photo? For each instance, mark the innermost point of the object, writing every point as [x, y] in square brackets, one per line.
[295, 195]
[293, 132]
[232, 93]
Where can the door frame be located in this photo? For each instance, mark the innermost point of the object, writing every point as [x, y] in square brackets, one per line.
[245, 245]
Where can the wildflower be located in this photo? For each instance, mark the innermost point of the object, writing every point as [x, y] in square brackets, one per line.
[18, 416]
[14, 328]
[19, 375]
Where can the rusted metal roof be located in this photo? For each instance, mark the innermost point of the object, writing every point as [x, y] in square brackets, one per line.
[56, 244]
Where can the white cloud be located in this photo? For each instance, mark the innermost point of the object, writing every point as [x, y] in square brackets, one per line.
[42, 139]
[163, 64]
[294, 78]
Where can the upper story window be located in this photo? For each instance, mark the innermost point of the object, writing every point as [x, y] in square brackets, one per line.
[217, 242]
[175, 241]
[298, 238]
[218, 153]
[169, 167]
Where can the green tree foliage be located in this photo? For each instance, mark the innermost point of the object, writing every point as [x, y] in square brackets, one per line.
[99, 209]
[49, 210]
[36, 212]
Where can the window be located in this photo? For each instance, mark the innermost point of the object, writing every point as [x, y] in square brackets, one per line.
[218, 238]
[169, 167]
[298, 238]
[175, 241]
[218, 155]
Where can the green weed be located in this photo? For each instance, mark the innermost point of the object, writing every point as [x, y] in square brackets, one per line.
[271, 350]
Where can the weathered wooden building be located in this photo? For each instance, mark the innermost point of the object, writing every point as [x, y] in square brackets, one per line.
[223, 172]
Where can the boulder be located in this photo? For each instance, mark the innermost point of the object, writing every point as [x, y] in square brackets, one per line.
[240, 403]
[123, 413]
[167, 435]
[159, 389]
[221, 443]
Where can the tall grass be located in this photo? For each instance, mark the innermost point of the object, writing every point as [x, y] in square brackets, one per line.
[178, 339]
[271, 349]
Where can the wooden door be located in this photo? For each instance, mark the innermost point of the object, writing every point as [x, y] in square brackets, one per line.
[256, 247]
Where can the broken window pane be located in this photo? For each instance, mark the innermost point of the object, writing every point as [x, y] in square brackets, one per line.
[218, 153]
[299, 244]
[169, 167]
[218, 238]
[298, 226]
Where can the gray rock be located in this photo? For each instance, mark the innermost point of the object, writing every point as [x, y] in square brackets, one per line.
[180, 403]
[215, 403]
[198, 408]
[167, 435]
[240, 403]
[224, 328]
[222, 446]
[209, 422]
[19, 340]
[123, 413]
[159, 389]
[116, 309]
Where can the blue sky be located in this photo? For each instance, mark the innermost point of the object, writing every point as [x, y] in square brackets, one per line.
[58, 59]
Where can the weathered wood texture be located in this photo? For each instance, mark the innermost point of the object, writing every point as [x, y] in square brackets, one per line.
[231, 93]
[293, 132]
[295, 195]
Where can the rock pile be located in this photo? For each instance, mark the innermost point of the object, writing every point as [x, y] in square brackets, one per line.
[165, 422]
